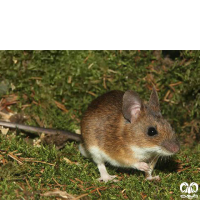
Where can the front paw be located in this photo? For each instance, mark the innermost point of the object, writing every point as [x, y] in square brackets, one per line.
[151, 178]
[142, 166]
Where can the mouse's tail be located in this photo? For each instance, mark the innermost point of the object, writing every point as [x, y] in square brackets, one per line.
[70, 135]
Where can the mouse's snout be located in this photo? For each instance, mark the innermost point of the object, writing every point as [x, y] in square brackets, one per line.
[171, 146]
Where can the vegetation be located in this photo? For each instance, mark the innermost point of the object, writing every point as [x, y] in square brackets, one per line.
[53, 89]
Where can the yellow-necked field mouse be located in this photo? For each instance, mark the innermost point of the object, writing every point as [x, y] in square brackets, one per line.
[119, 129]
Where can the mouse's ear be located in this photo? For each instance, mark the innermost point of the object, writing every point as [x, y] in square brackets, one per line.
[153, 104]
[132, 105]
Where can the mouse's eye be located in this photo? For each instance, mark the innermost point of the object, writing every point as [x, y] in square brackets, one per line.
[152, 131]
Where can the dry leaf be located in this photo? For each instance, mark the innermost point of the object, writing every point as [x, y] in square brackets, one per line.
[6, 116]
[59, 193]
[37, 142]
[70, 162]
[15, 60]
[90, 65]
[78, 131]
[12, 86]
[143, 195]
[62, 194]
[69, 79]
[4, 130]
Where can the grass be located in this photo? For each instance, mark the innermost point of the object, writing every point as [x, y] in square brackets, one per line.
[53, 89]
[49, 170]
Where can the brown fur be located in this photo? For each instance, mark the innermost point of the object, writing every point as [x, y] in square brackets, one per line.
[104, 126]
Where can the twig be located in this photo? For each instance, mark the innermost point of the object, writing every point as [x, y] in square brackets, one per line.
[37, 161]
[28, 184]
[15, 158]
[57, 183]
[93, 94]
[80, 196]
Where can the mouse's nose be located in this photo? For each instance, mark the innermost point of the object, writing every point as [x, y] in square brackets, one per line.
[172, 145]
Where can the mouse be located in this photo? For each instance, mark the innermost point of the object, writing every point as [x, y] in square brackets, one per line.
[119, 128]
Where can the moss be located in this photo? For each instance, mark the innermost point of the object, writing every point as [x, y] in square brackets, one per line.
[73, 78]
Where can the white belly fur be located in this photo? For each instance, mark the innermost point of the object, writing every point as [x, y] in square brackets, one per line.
[101, 157]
